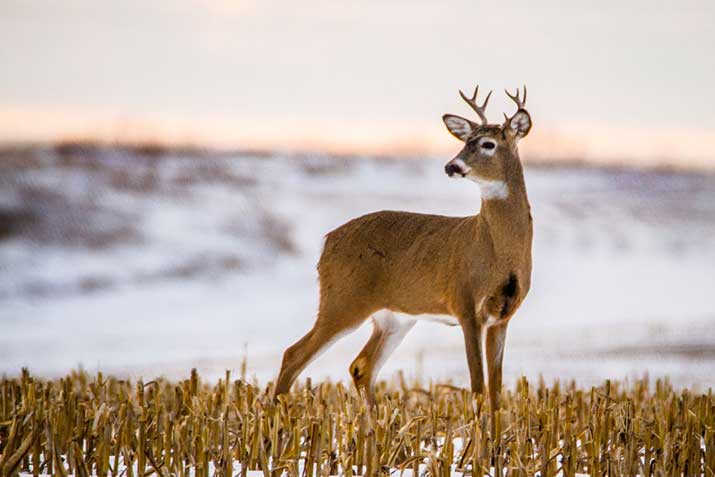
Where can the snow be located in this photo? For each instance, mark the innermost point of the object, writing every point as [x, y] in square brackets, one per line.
[211, 259]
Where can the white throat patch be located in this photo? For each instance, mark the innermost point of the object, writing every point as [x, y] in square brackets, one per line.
[491, 189]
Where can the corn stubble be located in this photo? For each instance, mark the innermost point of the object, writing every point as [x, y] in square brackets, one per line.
[102, 425]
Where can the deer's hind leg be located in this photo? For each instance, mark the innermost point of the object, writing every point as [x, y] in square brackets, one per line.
[387, 332]
[335, 318]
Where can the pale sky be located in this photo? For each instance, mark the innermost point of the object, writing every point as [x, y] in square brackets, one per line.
[607, 80]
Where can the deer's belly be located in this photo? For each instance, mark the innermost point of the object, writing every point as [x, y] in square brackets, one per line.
[448, 320]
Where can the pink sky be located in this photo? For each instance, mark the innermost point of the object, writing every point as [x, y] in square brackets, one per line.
[608, 81]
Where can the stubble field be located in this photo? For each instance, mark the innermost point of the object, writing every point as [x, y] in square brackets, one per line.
[100, 425]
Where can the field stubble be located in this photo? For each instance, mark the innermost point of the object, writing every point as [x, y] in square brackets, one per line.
[98, 425]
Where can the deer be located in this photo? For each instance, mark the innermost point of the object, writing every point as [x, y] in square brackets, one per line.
[472, 272]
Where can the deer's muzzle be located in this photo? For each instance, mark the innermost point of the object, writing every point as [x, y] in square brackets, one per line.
[456, 166]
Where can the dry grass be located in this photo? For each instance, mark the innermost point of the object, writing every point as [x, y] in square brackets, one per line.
[95, 424]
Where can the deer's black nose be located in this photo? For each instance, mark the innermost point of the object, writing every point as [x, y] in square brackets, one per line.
[451, 169]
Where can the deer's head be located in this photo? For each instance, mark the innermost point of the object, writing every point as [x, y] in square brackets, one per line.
[488, 148]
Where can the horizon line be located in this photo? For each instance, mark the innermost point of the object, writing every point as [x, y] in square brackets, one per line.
[600, 144]
[159, 149]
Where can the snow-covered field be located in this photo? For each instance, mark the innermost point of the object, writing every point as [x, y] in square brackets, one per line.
[152, 265]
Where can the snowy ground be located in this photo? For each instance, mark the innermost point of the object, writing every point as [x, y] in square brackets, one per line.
[152, 265]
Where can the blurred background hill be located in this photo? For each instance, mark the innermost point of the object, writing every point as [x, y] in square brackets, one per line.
[137, 263]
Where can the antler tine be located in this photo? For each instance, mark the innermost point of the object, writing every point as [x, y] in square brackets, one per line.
[517, 97]
[472, 102]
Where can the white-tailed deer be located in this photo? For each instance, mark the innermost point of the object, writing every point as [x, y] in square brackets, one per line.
[476, 270]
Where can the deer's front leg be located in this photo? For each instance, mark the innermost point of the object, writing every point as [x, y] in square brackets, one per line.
[495, 338]
[472, 329]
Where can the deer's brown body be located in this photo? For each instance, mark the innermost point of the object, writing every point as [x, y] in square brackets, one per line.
[476, 269]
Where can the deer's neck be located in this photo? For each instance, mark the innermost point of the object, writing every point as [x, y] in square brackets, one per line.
[506, 215]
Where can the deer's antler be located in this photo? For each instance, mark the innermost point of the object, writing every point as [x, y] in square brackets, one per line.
[472, 102]
[517, 99]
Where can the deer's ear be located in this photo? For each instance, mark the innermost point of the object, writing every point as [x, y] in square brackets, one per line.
[519, 125]
[460, 127]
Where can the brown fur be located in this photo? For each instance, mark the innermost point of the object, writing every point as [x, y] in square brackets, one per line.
[472, 268]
